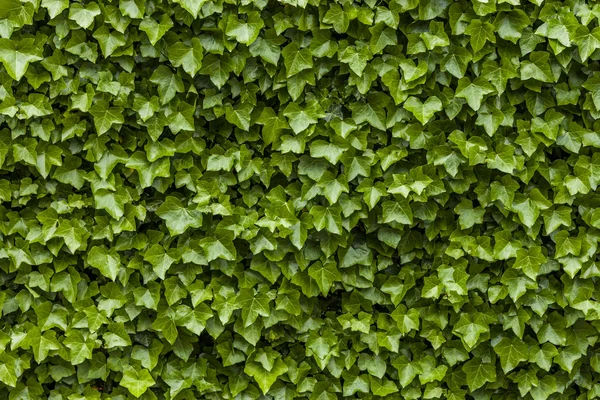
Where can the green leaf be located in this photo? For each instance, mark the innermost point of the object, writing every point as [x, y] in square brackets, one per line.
[530, 260]
[17, 55]
[499, 74]
[407, 369]
[397, 211]
[253, 305]
[332, 152]
[155, 30]
[80, 347]
[473, 91]
[73, 233]
[296, 59]
[328, 218]
[265, 378]
[548, 126]
[9, 365]
[42, 344]
[300, 118]
[512, 352]
[109, 41]
[169, 84]
[136, 381]
[160, 259]
[470, 328]
[106, 260]
[356, 57]
[55, 7]
[338, 17]
[406, 320]
[480, 33]
[239, 116]
[132, 8]
[246, 31]
[456, 61]
[510, 25]
[191, 6]
[83, 15]
[325, 275]
[267, 47]
[537, 68]
[105, 117]
[219, 245]
[178, 218]
[478, 373]
[423, 111]
[218, 68]
[187, 56]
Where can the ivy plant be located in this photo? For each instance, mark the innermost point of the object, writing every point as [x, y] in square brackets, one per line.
[299, 199]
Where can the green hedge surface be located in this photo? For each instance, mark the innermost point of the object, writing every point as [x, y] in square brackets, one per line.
[299, 199]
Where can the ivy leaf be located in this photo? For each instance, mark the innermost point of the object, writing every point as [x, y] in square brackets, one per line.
[456, 61]
[132, 8]
[83, 15]
[136, 381]
[109, 41]
[218, 68]
[80, 347]
[267, 47]
[499, 74]
[296, 59]
[511, 352]
[339, 17]
[381, 37]
[187, 56]
[55, 7]
[106, 260]
[530, 260]
[549, 126]
[169, 84]
[253, 305]
[105, 117]
[244, 32]
[42, 344]
[178, 218]
[473, 91]
[510, 25]
[219, 246]
[239, 116]
[397, 211]
[191, 6]
[16, 56]
[470, 328]
[423, 111]
[478, 373]
[301, 118]
[587, 41]
[8, 369]
[160, 259]
[325, 275]
[407, 369]
[480, 33]
[328, 218]
[155, 30]
[356, 57]
[537, 68]
[265, 378]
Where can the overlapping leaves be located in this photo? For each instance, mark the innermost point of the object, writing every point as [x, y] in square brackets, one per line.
[299, 199]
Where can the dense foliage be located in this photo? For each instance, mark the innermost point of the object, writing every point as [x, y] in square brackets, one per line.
[299, 199]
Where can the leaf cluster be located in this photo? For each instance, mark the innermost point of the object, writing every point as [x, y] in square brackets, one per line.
[299, 199]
